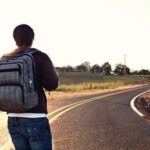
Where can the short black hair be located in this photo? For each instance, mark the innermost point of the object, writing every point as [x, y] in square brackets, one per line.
[23, 35]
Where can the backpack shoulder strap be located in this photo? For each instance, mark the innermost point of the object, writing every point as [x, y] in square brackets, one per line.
[31, 51]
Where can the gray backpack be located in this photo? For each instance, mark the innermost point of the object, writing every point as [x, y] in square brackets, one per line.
[18, 83]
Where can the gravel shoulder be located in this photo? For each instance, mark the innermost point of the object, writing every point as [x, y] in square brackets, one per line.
[4, 136]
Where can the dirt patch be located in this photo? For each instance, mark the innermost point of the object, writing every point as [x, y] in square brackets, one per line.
[142, 103]
[64, 95]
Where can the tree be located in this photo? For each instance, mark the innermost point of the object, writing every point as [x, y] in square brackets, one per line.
[134, 72]
[86, 64]
[122, 70]
[96, 69]
[106, 67]
[81, 68]
[84, 67]
[144, 72]
[65, 69]
[69, 68]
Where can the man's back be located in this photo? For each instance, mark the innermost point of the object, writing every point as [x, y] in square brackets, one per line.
[45, 74]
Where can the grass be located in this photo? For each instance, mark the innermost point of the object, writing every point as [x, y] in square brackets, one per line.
[72, 82]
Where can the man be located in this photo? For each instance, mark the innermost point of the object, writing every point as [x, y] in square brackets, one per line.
[30, 130]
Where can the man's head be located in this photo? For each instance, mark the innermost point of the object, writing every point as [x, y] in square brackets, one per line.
[23, 35]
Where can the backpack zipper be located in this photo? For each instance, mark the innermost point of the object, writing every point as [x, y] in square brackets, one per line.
[34, 71]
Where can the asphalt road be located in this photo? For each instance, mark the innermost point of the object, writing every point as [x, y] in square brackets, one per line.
[106, 123]
[98, 122]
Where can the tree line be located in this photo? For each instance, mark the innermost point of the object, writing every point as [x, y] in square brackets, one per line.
[104, 69]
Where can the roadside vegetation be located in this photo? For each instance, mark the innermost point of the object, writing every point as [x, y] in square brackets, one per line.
[86, 77]
[79, 81]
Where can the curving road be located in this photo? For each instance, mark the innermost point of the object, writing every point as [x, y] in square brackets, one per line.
[106, 123]
[98, 122]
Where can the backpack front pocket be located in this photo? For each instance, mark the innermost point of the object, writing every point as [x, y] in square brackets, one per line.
[11, 98]
[10, 73]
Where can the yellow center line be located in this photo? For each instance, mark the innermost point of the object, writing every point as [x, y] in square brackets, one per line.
[76, 104]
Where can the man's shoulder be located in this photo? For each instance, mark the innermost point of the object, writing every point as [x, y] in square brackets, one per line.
[40, 55]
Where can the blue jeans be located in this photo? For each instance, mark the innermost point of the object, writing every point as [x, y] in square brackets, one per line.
[30, 133]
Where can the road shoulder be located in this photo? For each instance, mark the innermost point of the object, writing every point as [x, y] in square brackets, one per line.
[141, 104]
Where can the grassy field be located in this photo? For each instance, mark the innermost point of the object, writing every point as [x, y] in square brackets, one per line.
[72, 82]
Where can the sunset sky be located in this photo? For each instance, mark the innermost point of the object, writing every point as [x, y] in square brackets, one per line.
[74, 31]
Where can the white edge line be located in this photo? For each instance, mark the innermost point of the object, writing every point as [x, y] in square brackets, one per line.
[132, 104]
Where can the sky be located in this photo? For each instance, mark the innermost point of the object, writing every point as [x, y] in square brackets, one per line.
[74, 31]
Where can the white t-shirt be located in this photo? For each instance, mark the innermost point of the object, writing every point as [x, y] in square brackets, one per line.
[27, 115]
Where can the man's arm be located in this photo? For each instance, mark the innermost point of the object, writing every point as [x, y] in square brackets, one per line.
[50, 76]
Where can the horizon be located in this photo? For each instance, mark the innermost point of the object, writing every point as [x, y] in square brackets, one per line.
[72, 32]
[112, 67]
